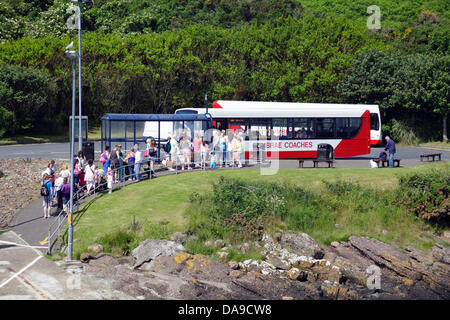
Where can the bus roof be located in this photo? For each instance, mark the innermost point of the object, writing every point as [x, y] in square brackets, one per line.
[280, 112]
[228, 104]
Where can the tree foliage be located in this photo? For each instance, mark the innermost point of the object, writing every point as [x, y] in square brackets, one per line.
[23, 93]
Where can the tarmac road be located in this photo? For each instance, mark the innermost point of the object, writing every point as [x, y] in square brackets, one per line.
[410, 156]
[44, 150]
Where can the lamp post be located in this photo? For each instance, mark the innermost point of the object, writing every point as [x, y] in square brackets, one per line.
[72, 55]
[79, 3]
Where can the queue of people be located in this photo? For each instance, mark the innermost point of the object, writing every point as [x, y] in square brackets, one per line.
[224, 150]
[55, 185]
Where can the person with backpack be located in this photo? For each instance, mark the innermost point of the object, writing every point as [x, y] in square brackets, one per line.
[46, 193]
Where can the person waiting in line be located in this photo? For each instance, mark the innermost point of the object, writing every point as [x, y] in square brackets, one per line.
[115, 162]
[213, 159]
[137, 162]
[390, 147]
[130, 159]
[167, 147]
[107, 162]
[197, 156]
[230, 151]
[59, 180]
[173, 153]
[222, 149]
[152, 153]
[47, 170]
[65, 172]
[185, 152]
[47, 199]
[65, 191]
[81, 159]
[90, 176]
[235, 148]
[203, 154]
[76, 172]
[121, 170]
[110, 179]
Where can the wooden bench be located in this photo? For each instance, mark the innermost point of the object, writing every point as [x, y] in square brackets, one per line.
[385, 163]
[316, 162]
[431, 155]
[330, 163]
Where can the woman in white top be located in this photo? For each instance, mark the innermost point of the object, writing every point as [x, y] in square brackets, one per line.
[89, 176]
[137, 162]
[173, 151]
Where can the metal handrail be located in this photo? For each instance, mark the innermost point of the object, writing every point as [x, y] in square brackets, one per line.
[62, 217]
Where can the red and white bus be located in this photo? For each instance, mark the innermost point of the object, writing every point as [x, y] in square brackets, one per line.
[295, 130]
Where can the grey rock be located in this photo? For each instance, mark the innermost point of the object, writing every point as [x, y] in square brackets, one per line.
[246, 247]
[302, 244]
[178, 237]
[223, 255]
[219, 243]
[152, 248]
[441, 253]
[277, 262]
[96, 248]
[233, 265]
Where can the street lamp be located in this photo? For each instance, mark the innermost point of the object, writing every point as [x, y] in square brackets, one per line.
[72, 55]
[79, 3]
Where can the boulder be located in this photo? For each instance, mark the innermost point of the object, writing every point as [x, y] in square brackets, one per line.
[441, 254]
[96, 248]
[223, 255]
[152, 248]
[233, 265]
[411, 266]
[219, 243]
[85, 257]
[301, 244]
[178, 237]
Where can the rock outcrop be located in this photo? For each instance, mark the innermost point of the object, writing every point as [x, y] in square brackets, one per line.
[150, 249]
[295, 267]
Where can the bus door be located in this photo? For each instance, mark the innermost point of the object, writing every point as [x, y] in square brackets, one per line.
[260, 131]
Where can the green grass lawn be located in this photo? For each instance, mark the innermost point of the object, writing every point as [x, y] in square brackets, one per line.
[158, 205]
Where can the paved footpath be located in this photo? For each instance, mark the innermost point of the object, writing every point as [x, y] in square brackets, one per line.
[30, 225]
[25, 274]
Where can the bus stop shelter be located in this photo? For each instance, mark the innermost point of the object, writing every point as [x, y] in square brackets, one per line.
[131, 129]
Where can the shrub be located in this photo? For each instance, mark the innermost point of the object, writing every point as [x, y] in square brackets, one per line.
[426, 193]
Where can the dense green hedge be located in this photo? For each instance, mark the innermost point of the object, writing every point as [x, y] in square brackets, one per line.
[155, 56]
[287, 60]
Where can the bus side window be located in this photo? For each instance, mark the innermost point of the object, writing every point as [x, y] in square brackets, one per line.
[325, 128]
[280, 128]
[374, 121]
[302, 128]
